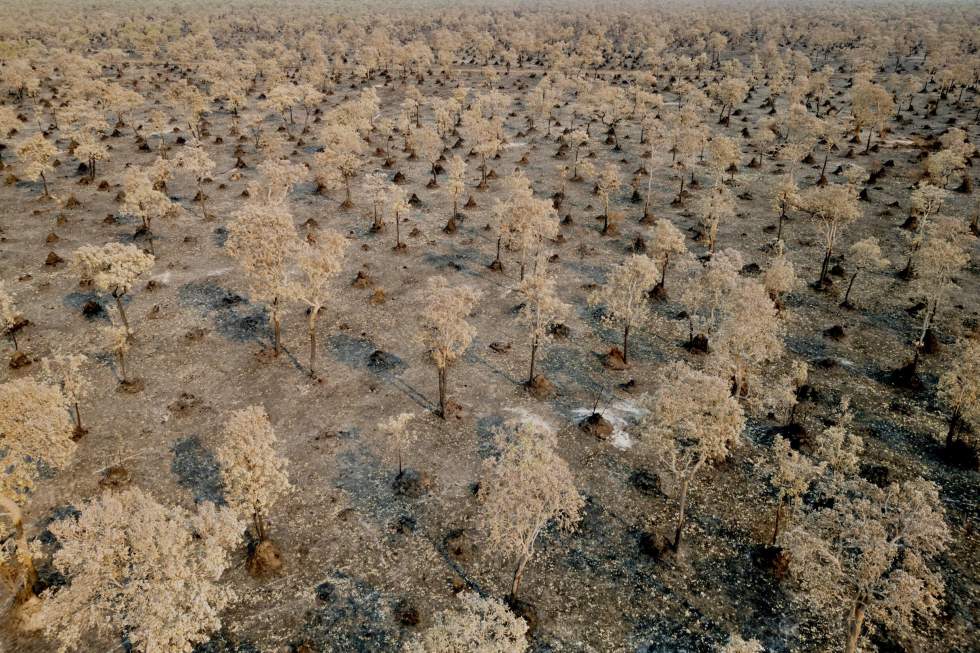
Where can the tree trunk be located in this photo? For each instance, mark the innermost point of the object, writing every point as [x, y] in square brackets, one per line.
[954, 427]
[122, 313]
[775, 528]
[442, 392]
[259, 524]
[276, 327]
[16, 519]
[518, 576]
[122, 367]
[681, 514]
[44, 182]
[847, 295]
[313, 349]
[626, 342]
[78, 419]
[824, 267]
[855, 623]
[534, 354]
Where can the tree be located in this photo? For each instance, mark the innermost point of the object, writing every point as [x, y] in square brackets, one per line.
[112, 268]
[481, 625]
[529, 220]
[443, 328]
[198, 163]
[397, 201]
[693, 421]
[253, 472]
[341, 159]
[942, 255]
[784, 193]
[864, 255]
[540, 309]
[668, 242]
[607, 183]
[871, 107]
[526, 487]
[483, 136]
[576, 139]
[713, 208]
[456, 183]
[117, 340]
[959, 389]
[398, 435]
[143, 199]
[624, 295]
[791, 477]
[38, 155]
[867, 553]
[139, 569]
[780, 276]
[319, 262]
[723, 156]
[10, 318]
[65, 371]
[262, 239]
[376, 185]
[35, 428]
[833, 207]
[428, 145]
[705, 292]
[748, 335]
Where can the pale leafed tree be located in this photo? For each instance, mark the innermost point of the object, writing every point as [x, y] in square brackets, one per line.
[715, 206]
[738, 645]
[8, 123]
[195, 160]
[10, 317]
[667, 245]
[523, 490]
[833, 207]
[281, 99]
[90, 149]
[863, 256]
[38, 155]
[396, 201]
[866, 556]
[705, 292]
[65, 371]
[607, 182]
[341, 160]
[871, 108]
[724, 156]
[140, 570]
[252, 470]
[959, 390]
[376, 188]
[456, 182]
[780, 275]
[838, 445]
[143, 199]
[623, 297]
[35, 428]
[748, 337]
[791, 476]
[275, 180]
[783, 194]
[117, 342]
[398, 436]
[479, 625]
[443, 328]
[428, 147]
[263, 241]
[483, 136]
[943, 254]
[925, 203]
[576, 140]
[693, 422]
[112, 268]
[541, 308]
[319, 262]
[530, 220]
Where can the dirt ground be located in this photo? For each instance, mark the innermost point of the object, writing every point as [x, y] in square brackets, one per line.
[359, 558]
